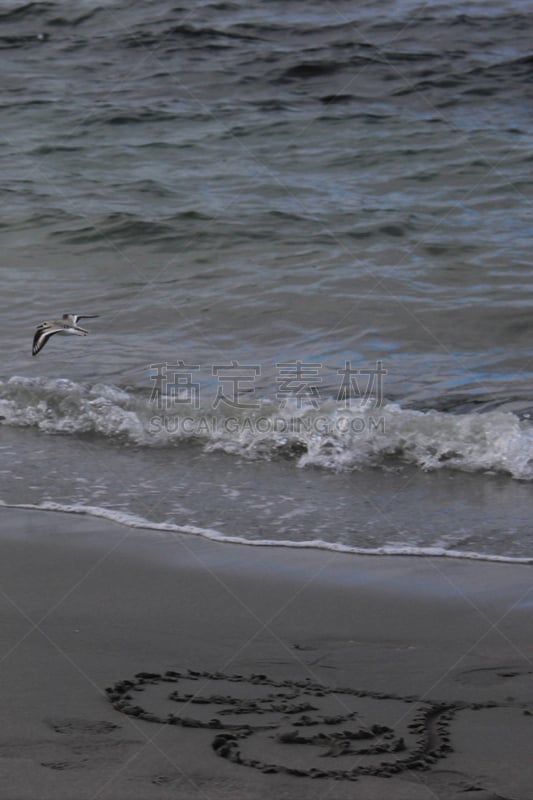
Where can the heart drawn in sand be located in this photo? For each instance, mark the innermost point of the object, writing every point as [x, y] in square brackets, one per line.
[314, 730]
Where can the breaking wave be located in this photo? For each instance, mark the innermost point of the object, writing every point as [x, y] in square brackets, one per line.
[328, 437]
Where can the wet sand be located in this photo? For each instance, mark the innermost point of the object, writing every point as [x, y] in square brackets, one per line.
[137, 665]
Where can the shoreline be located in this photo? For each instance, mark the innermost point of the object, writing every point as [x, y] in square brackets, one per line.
[419, 654]
[141, 524]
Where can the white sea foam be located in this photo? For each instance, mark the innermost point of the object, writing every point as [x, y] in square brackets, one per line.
[137, 522]
[329, 437]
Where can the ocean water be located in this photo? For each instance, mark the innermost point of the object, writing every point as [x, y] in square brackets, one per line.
[306, 230]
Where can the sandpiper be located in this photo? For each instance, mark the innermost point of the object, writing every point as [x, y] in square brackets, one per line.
[66, 325]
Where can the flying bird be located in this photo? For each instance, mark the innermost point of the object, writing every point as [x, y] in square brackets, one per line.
[68, 324]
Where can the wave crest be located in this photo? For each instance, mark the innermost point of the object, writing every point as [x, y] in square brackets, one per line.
[328, 437]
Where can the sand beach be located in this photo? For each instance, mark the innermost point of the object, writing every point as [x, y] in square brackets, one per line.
[142, 665]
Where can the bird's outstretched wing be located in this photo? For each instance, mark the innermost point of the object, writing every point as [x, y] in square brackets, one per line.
[42, 334]
[73, 318]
